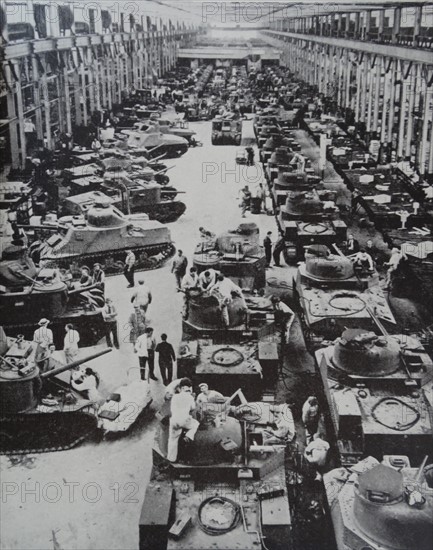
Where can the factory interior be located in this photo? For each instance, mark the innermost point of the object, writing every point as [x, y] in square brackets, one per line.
[216, 275]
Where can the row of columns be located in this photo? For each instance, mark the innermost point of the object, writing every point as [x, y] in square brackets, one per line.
[356, 24]
[391, 99]
[85, 80]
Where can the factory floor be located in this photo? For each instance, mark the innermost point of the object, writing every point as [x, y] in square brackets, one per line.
[91, 496]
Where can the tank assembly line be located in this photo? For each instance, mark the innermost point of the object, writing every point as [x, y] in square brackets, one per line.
[215, 276]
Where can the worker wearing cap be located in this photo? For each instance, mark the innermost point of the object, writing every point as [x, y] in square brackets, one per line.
[42, 337]
[208, 396]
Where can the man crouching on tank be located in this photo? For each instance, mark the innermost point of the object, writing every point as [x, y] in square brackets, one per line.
[182, 405]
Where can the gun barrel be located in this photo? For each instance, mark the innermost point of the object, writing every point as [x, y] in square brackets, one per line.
[74, 364]
[44, 227]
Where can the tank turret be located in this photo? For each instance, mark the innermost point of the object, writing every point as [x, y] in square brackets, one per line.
[380, 507]
[320, 264]
[303, 205]
[238, 254]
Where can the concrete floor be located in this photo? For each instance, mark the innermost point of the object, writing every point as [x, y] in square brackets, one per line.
[91, 496]
[101, 511]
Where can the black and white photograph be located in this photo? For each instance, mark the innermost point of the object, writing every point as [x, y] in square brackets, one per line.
[216, 275]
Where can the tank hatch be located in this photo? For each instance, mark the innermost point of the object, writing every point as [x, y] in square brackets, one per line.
[102, 214]
[321, 264]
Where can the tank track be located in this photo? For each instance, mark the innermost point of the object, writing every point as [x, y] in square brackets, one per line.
[45, 432]
[112, 262]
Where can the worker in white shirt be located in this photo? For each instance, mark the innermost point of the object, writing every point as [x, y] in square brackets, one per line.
[182, 405]
[43, 336]
[142, 297]
[428, 192]
[190, 280]
[140, 348]
[87, 380]
[208, 279]
[396, 257]
[223, 291]
[363, 260]
[129, 268]
[284, 430]
[207, 396]
[316, 453]
[71, 341]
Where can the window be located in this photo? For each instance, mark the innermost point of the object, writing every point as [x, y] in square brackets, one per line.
[40, 20]
[92, 21]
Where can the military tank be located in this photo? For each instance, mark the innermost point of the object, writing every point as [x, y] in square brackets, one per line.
[166, 127]
[104, 236]
[29, 293]
[332, 295]
[157, 143]
[224, 491]
[374, 387]
[237, 254]
[130, 195]
[386, 506]
[40, 412]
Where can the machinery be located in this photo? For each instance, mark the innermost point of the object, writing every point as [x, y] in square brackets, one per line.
[127, 194]
[333, 295]
[28, 293]
[104, 236]
[226, 131]
[153, 139]
[375, 390]
[386, 506]
[166, 127]
[40, 412]
[237, 254]
[226, 490]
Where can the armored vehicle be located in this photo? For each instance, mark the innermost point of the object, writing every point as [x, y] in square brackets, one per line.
[165, 127]
[332, 295]
[29, 293]
[237, 254]
[40, 411]
[386, 506]
[226, 489]
[104, 236]
[374, 387]
[157, 143]
[129, 195]
[226, 131]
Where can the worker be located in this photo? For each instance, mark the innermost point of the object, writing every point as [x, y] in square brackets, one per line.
[283, 318]
[363, 261]
[71, 340]
[87, 381]
[43, 336]
[208, 279]
[207, 396]
[372, 250]
[223, 291]
[96, 145]
[267, 245]
[352, 245]
[166, 358]
[182, 405]
[129, 268]
[178, 267]
[278, 248]
[311, 416]
[259, 198]
[245, 198]
[109, 314]
[85, 279]
[98, 276]
[142, 297]
[151, 347]
[141, 349]
[191, 281]
[44, 360]
[393, 263]
[316, 454]
[250, 156]
[137, 324]
[284, 431]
